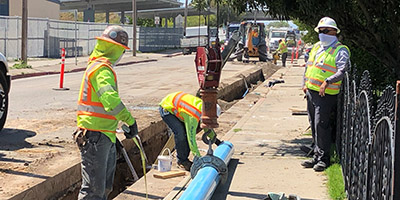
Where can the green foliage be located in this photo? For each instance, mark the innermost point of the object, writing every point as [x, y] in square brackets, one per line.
[21, 65]
[311, 36]
[335, 182]
[368, 25]
[278, 24]
[200, 5]
[380, 75]
[194, 20]
[143, 22]
[237, 130]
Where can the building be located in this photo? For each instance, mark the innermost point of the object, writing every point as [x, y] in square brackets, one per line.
[36, 8]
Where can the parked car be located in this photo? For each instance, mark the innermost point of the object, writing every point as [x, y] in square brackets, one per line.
[5, 83]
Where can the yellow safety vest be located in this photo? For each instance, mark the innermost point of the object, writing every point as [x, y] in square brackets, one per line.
[319, 69]
[179, 102]
[91, 114]
[282, 47]
[186, 108]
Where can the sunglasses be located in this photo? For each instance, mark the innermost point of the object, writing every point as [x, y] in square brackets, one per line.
[324, 31]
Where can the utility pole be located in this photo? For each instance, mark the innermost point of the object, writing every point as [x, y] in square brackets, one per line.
[24, 31]
[134, 20]
[76, 36]
[186, 13]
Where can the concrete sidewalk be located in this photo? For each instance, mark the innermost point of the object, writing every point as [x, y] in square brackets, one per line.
[267, 140]
[44, 66]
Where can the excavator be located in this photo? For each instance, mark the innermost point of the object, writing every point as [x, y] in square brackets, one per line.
[253, 42]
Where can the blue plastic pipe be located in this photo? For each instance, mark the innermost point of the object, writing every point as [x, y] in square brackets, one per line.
[207, 178]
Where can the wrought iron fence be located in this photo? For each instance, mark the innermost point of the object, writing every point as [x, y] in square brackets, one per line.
[366, 130]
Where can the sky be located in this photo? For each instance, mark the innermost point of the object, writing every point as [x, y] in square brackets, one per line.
[183, 1]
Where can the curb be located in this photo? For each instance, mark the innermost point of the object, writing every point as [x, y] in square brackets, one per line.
[173, 55]
[19, 76]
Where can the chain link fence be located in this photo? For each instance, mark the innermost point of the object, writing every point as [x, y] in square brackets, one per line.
[46, 37]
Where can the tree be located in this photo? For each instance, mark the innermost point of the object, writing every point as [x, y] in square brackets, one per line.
[371, 26]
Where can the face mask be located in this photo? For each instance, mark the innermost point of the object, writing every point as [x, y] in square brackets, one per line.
[119, 59]
[326, 40]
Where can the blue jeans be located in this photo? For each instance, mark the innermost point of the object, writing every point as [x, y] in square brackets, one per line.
[178, 127]
[98, 166]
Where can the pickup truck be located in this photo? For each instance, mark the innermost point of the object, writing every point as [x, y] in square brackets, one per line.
[196, 37]
[5, 83]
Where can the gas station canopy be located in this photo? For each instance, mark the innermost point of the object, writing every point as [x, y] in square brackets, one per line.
[102, 6]
[145, 8]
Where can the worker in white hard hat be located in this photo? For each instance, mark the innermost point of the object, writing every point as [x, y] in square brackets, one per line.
[325, 68]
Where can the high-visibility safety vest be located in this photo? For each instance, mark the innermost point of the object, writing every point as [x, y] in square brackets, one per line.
[283, 47]
[180, 103]
[92, 115]
[319, 69]
[186, 108]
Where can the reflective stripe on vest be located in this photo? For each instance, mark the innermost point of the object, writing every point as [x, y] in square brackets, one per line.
[316, 82]
[179, 103]
[319, 69]
[85, 104]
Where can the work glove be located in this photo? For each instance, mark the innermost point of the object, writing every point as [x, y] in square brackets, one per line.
[133, 131]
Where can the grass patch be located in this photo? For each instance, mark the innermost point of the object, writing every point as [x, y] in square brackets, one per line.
[335, 182]
[237, 130]
[334, 173]
[21, 65]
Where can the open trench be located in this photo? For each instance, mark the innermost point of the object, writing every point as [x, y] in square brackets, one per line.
[65, 186]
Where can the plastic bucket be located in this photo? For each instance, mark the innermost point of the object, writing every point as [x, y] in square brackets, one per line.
[164, 162]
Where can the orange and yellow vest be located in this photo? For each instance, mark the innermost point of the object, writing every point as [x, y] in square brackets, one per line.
[186, 108]
[319, 69]
[180, 103]
[91, 114]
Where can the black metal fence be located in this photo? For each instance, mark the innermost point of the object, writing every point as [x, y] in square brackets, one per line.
[366, 139]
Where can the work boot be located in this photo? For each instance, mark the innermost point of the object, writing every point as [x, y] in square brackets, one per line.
[309, 163]
[187, 164]
[320, 166]
[309, 150]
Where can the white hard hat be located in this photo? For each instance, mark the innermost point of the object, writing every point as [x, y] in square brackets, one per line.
[327, 22]
[218, 110]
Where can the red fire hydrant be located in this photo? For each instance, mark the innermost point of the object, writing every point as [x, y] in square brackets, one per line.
[208, 66]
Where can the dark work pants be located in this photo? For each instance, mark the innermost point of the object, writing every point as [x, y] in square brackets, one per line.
[98, 166]
[178, 127]
[284, 56]
[320, 114]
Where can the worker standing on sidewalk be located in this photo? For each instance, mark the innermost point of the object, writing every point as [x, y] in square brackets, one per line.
[182, 113]
[99, 111]
[283, 50]
[325, 69]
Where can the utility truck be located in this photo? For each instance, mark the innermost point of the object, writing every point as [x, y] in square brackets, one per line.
[197, 37]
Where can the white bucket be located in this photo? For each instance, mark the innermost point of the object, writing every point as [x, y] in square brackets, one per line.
[164, 162]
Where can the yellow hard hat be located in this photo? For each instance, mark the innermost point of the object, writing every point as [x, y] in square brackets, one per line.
[327, 22]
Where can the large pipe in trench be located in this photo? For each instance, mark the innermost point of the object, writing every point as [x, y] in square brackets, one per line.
[207, 178]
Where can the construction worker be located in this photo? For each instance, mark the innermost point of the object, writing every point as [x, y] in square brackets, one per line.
[324, 71]
[283, 50]
[99, 111]
[182, 113]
